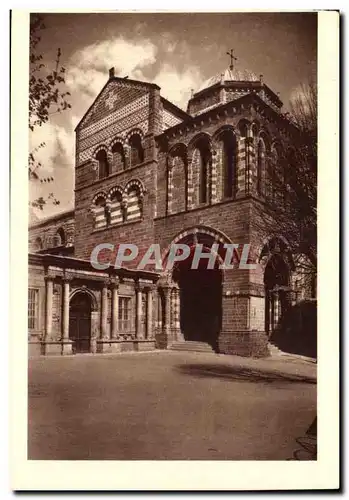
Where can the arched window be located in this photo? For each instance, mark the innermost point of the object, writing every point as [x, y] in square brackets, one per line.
[118, 157]
[199, 170]
[38, 245]
[261, 167]
[99, 211]
[116, 207]
[177, 179]
[60, 239]
[277, 175]
[134, 200]
[254, 129]
[229, 165]
[273, 173]
[137, 153]
[103, 165]
[243, 127]
[226, 145]
[204, 165]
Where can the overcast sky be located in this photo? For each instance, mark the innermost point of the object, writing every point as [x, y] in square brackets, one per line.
[176, 51]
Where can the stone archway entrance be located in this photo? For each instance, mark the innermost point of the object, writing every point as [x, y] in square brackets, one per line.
[276, 282]
[200, 300]
[80, 322]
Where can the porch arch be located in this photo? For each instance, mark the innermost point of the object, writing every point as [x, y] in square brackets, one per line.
[89, 293]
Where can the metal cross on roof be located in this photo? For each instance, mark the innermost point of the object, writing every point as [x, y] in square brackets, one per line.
[232, 58]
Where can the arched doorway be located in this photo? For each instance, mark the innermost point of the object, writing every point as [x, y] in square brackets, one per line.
[277, 276]
[80, 322]
[200, 297]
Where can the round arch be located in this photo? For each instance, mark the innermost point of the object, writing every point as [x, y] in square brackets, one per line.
[223, 129]
[194, 232]
[266, 249]
[114, 191]
[135, 183]
[116, 140]
[61, 238]
[277, 263]
[243, 127]
[85, 292]
[199, 302]
[200, 137]
[265, 136]
[135, 131]
[178, 148]
[101, 147]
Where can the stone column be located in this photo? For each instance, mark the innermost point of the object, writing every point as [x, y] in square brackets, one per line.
[169, 186]
[104, 311]
[66, 343]
[48, 312]
[65, 315]
[277, 308]
[94, 331]
[127, 156]
[213, 193]
[250, 167]
[150, 334]
[167, 325]
[139, 332]
[115, 309]
[190, 187]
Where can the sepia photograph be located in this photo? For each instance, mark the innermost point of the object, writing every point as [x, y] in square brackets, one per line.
[172, 236]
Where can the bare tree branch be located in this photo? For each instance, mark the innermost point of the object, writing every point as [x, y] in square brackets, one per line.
[46, 97]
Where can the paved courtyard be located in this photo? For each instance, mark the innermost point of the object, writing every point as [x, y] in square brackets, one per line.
[168, 405]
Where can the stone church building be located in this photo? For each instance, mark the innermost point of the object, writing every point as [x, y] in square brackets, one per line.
[148, 172]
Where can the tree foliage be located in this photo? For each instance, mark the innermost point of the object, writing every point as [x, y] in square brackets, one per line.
[291, 199]
[46, 97]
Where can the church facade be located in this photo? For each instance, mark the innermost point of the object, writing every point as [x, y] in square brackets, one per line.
[148, 172]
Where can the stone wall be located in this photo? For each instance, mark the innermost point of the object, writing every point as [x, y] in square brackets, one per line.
[37, 282]
[47, 230]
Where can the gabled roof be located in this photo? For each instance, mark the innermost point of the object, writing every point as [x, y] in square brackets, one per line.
[52, 218]
[175, 109]
[117, 79]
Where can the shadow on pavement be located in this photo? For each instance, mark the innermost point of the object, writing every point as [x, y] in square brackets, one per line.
[242, 373]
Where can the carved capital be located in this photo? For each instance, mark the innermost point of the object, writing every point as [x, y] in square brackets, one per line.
[140, 285]
[50, 275]
[105, 282]
[67, 277]
[114, 282]
[149, 288]
[165, 282]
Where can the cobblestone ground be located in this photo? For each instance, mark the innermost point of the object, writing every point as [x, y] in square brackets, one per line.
[168, 405]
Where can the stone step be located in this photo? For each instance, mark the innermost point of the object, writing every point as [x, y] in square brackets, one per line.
[274, 350]
[190, 345]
